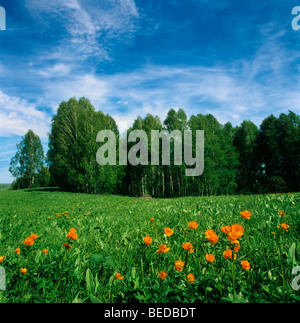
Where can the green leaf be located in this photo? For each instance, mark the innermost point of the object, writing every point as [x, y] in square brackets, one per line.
[90, 286]
[291, 258]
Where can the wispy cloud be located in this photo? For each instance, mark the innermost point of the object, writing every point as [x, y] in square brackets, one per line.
[88, 27]
[18, 115]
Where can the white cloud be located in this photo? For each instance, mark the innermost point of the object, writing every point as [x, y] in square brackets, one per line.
[57, 70]
[90, 25]
[17, 116]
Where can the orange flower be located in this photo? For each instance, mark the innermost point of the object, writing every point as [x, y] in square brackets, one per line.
[148, 240]
[23, 271]
[246, 214]
[152, 219]
[245, 264]
[211, 236]
[163, 274]
[284, 226]
[17, 251]
[179, 265]
[210, 257]
[168, 232]
[193, 225]
[1, 259]
[72, 235]
[190, 278]
[228, 254]
[237, 246]
[45, 251]
[34, 236]
[226, 229]
[281, 212]
[162, 249]
[188, 246]
[29, 241]
[118, 276]
[236, 232]
[67, 246]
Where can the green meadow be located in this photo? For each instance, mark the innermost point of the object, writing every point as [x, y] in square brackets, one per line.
[110, 232]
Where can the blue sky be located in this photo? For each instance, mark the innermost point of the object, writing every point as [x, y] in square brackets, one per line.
[238, 60]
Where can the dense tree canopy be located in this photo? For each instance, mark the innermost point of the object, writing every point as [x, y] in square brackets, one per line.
[243, 159]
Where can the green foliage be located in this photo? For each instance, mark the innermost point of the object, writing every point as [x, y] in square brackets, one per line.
[243, 159]
[27, 164]
[110, 232]
[73, 148]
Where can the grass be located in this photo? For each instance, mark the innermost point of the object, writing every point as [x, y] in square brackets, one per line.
[110, 231]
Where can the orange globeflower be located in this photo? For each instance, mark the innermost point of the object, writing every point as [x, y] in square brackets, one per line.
[284, 226]
[210, 257]
[34, 236]
[245, 264]
[179, 265]
[193, 225]
[228, 254]
[190, 278]
[211, 236]
[148, 240]
[67, 246]
[236, 232]
[162, 275]
[246, 214]
[17, 251]
[163, 249]
[152, 219]
[45, 251]
[168, 232]
[29, 241]
[72, 235]
[118, 276]
[23, 271]
[226, 229]
[281, 212]
[1, 259]
[237, 246]
[188, 246]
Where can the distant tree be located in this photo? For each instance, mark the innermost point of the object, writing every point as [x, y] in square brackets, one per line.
[245, 141]
[278, 145]
[28, 160]
[73, 148]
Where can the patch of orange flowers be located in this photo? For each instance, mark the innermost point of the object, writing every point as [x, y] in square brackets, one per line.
[246, 214]
[190, 278]
[23, 271]
[162, 249]
[245, 264]
[118, 276]
[211, 236]
[188, 246]
[72, 234]
[168, 232]
[29, 241]
[236, 232]
[148, 240]
[210, 257]
[163, 274]
[179, 265]
[228, 254]
[284, 226]
[193, 225]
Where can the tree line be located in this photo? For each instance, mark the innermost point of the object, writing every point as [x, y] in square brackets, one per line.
[245, 159]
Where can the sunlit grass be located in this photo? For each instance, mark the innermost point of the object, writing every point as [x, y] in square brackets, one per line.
[85, 265]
